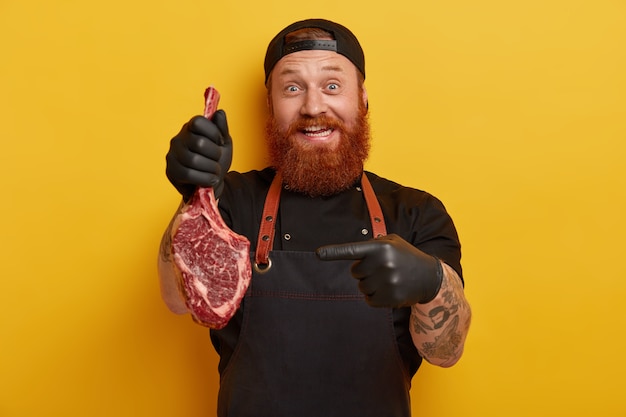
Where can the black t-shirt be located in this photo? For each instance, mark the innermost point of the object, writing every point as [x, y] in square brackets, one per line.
[305, 223]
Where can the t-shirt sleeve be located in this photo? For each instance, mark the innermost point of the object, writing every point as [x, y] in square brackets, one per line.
[435, 233]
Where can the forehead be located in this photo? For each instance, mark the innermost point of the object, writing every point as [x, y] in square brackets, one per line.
[314, 62]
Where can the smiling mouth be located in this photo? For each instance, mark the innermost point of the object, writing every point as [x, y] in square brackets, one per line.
[317, 132]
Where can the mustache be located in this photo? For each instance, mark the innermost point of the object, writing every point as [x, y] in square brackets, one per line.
[308, 122]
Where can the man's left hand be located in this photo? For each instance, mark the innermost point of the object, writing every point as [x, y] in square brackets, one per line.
[391, 271]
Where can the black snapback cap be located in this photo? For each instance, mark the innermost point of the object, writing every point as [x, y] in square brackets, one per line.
[345, 43]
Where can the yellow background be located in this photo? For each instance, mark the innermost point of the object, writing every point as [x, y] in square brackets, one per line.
[512, 112]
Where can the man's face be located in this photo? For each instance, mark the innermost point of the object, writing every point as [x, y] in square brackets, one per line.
[317, 132]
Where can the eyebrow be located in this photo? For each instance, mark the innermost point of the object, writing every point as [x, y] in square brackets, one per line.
[329, 68]
[334, 68]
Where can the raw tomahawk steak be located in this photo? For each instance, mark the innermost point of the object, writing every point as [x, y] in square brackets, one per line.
[213, 261]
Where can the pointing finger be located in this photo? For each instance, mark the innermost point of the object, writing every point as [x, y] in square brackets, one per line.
[347, 251]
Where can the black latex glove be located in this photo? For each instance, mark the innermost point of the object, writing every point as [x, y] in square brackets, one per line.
[391, 271]
[200, 155]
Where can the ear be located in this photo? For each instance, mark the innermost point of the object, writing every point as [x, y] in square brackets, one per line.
[364, 98]
[268, 102]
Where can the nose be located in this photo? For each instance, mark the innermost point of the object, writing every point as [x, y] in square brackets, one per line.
[314, 103]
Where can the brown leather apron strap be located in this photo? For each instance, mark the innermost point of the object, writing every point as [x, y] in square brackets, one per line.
[264, 244]
[376, 214]
[262, 262]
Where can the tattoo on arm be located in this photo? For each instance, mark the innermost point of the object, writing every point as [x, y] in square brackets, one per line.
[446, 344]
[441, 326]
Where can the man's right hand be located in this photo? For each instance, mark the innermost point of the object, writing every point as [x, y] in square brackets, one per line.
[200, 155]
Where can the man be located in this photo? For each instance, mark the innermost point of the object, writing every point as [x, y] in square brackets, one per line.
[361, 286]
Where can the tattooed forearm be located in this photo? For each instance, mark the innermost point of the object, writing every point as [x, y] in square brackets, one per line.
[435, 319]
[446, 344]
[439, 327]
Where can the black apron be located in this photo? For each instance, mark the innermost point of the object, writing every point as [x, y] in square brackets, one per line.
[309, 345]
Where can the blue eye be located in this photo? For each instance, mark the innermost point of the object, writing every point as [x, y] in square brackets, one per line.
[292, 88]
[333, 86]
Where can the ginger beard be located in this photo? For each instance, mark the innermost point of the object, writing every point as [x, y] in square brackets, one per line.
[315, 169]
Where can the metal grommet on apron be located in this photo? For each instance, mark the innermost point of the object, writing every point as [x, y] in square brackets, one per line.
[262, 263]
[308, 343]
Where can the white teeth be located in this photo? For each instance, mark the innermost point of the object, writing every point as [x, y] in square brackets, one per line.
[317, 131]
